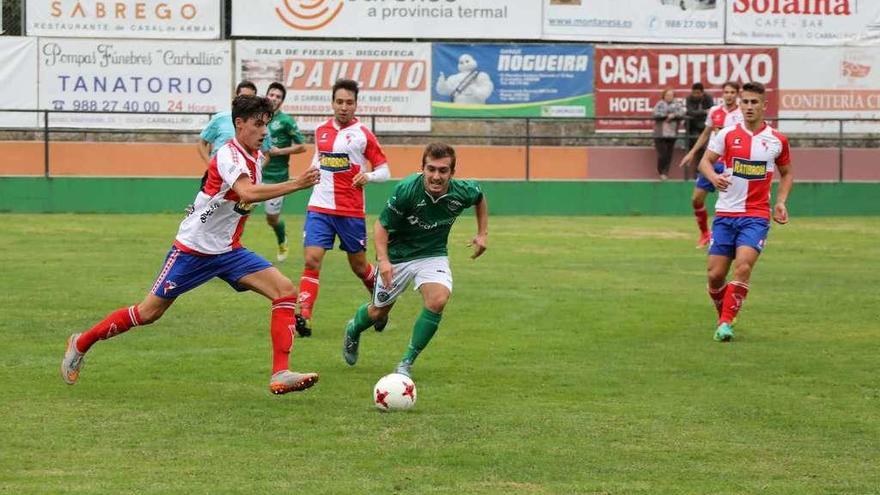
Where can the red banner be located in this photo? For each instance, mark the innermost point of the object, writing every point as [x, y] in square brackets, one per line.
[630, 81]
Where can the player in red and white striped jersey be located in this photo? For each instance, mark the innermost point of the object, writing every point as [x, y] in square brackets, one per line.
[751, 153]
[345, 151]
[208, 245]
[720, 116]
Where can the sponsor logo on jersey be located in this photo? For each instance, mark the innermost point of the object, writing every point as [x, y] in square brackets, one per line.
[737, 143]
[749, 169]
[208, 212]
[334, 162]
[454, 204]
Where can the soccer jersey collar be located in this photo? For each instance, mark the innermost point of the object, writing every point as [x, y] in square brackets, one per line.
[759, 131]
[437, 199]
[352, 122]
[247, 155]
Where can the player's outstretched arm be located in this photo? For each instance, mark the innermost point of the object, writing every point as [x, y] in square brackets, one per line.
[702, 139]
[254, 193]
[380, 238]
[481, 240]
[786, 181]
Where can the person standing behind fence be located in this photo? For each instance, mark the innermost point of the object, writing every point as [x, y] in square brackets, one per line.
[697, 106]
[668, 114]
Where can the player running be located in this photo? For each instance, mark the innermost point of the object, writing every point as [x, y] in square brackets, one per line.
[286, 141]
[343, 146]
[720, 116]
[751, 153]
[208, 245]
[411, 236]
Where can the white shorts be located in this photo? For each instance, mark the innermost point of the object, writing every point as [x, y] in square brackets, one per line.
[273, 206]
[425, 270]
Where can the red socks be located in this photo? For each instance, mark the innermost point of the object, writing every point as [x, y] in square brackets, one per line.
[702, 216]
[115, 323]
[734, 297]
[717, 296]
[369, 279]
[282, 327]
[309, 284]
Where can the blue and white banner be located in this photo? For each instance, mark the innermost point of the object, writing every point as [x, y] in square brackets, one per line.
[507, 80]
[138, 76]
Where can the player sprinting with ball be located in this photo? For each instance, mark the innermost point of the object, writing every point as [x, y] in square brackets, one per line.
[411, 237]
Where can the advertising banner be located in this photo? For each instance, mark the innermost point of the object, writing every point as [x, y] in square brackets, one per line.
[847, 87]
[803, 22]
[393, 77]
[168, 19]
[456, 19]
[133, 76]
[19, 75]
[659, 21]
[512, 80]
[630, 80]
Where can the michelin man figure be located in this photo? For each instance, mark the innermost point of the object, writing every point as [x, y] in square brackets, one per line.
[468, 86]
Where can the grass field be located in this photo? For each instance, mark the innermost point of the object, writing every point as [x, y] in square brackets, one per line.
[576, 356]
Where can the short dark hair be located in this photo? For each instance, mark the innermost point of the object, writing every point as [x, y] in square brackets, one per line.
[279, 87]
[245, 84]
[754, 87]
[698, 85]
[247, 107]
[347, 84]
[439, 150]
[732, 84]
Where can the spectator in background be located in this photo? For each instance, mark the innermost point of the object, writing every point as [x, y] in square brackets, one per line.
[668, 114]
[697, 104]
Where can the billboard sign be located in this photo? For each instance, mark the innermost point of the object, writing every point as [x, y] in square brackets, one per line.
[512, 80]
[457, 19]
[630, 80]
[168, 19]
[659, 21]
[394, 78]
[137, 76]
[803, 22]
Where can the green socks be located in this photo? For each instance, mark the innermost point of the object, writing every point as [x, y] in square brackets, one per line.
[280, 232]
[361, 320]
[425, 327]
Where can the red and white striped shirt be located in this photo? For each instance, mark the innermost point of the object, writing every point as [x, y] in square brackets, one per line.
[217, 220]
[749, 161]
[720, 117]
[340, 154]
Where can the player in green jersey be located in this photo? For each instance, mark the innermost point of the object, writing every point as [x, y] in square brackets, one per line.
[411, 236]
[286, 141]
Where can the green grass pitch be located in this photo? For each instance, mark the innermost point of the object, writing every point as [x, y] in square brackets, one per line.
[575, 357]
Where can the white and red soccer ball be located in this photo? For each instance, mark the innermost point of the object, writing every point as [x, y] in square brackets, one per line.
[394, 392]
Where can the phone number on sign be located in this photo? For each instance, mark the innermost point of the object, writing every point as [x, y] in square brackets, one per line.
[119, 106]
[691, 24]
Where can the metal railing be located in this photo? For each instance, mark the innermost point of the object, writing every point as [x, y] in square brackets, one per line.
[502, 131]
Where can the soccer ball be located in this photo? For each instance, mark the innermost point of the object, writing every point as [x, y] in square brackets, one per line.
[394, 392]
